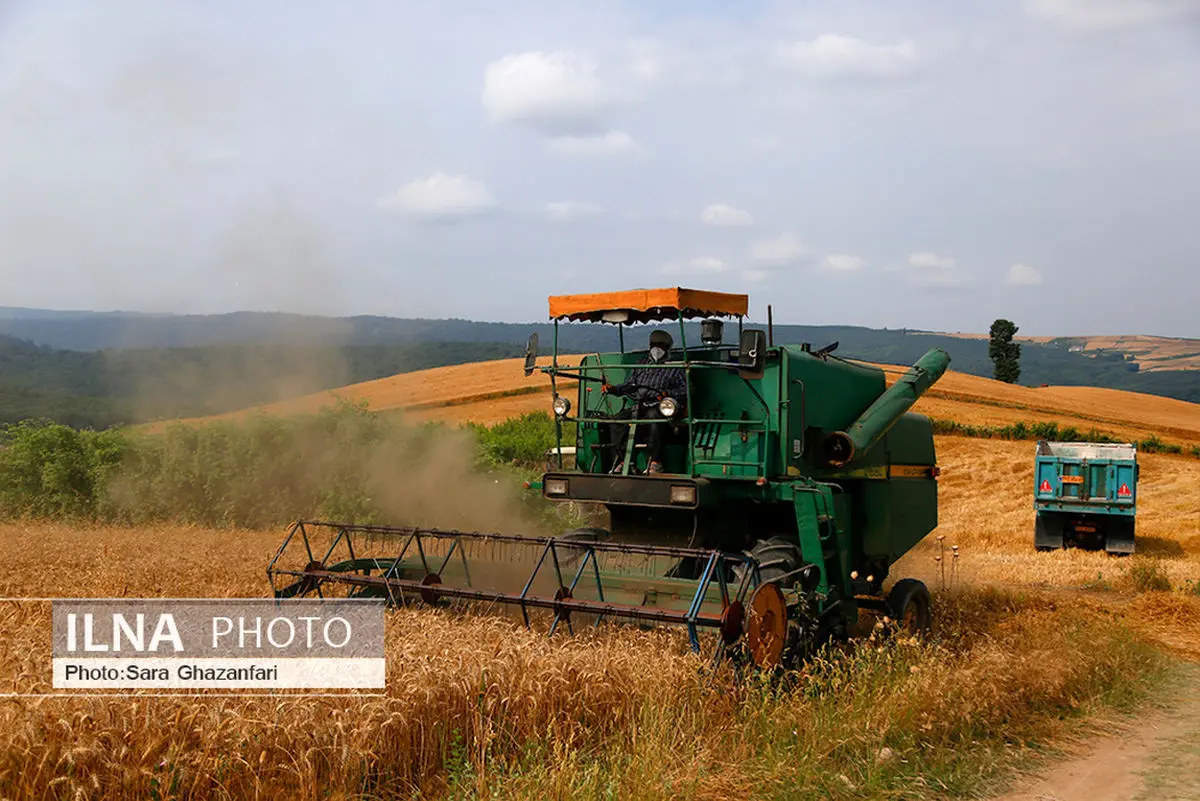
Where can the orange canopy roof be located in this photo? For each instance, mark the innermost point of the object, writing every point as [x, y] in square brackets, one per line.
[647, 305]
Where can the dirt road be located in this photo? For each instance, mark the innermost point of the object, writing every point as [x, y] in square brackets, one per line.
[1155, 755]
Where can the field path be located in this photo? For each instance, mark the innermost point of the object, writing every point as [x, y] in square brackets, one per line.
[1155, 755]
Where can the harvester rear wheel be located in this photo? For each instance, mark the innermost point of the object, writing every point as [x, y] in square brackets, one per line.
[911, 606]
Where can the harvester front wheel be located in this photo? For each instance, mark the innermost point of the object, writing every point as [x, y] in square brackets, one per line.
[773, 634]
[911, 606]
[778, 560]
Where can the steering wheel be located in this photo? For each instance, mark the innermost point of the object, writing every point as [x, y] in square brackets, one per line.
[639, 395]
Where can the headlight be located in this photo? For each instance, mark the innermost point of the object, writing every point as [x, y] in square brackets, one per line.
[556, 486]
[683, 494]
[668, 407]
[561, 405]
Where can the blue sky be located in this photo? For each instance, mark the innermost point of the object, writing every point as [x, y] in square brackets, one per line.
[919, 164]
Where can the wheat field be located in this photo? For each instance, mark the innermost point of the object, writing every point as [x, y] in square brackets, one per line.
[477, 707]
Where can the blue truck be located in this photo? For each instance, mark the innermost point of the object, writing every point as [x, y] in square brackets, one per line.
[1085, 495]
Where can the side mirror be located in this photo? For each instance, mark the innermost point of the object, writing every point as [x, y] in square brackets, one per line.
[752, 353]
[531, 348]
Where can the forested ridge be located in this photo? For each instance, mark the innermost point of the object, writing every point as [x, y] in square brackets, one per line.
[100, 369]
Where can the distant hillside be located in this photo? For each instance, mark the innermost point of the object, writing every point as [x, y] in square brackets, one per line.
[1150, 353]
[99, 389]
[490, 392]
[248, 338]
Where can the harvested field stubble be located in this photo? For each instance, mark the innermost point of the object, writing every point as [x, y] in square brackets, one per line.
[985, 505]
[478, 707]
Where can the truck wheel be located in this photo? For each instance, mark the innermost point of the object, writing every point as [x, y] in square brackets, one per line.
[911, 606]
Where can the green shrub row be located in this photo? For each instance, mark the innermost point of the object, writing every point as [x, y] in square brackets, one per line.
[1053, 432]
[343, 463]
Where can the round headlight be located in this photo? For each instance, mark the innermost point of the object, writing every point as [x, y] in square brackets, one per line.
[668, 407]
[561, 405]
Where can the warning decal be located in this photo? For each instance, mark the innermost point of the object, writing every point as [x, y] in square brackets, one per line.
[1124, 492]
[1045, 485]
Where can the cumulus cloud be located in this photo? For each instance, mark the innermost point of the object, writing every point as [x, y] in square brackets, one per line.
[843, 262]
[724, 216]
[932, 269]
[927, 259]
[441, 197]
[555, 91]
[832, 55]
[782, 250]
[613, 143]
[570, 210]
[1091, 16]
[1022, 275]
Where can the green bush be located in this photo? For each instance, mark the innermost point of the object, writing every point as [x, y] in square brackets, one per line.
[1156, 445]
[343, 463]
[52, 470]
[521, 440]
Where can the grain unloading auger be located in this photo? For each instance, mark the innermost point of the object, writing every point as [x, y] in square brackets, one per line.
[761, 492]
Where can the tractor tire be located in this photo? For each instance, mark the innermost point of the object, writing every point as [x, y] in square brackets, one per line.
[779, 560]
[776, 557]
[911, 606]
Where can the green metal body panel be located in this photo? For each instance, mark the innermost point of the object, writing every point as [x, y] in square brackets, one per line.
[757, 450]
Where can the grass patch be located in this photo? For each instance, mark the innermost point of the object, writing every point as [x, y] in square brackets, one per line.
[1147, 575]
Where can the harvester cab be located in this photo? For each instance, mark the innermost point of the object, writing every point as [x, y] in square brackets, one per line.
[757, 491]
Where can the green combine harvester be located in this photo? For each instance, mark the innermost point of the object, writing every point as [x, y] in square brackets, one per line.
[757, 494]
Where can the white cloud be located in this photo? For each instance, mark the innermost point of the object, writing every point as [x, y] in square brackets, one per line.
[832, 55]
[843, 262]
[570, 210]
[932, 269]
[613, 143]
[932, 260]
[441, 197]
[783, 249]
[721, 215]
[1090, 16]
[1022, 275]
[555, 91]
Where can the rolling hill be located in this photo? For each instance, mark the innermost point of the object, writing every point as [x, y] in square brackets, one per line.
[100, 369]
[488, 392]
[1149, 353]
